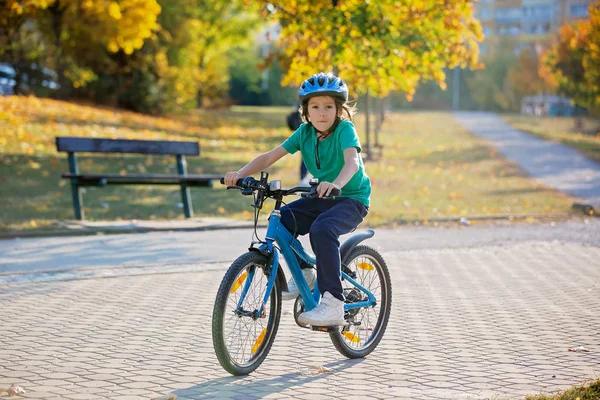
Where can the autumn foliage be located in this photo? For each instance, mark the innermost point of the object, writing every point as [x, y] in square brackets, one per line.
[376, 46]
[145, 54]
[572, 64]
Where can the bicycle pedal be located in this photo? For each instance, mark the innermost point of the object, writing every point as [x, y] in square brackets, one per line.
[330, 328]
[324, 328]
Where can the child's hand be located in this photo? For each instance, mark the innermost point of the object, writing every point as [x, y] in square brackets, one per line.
[325, 188]
[231, 178]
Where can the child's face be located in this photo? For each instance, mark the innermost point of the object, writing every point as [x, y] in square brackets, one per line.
[322, 112]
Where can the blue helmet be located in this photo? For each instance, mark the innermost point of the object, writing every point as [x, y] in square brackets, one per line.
[323, 85]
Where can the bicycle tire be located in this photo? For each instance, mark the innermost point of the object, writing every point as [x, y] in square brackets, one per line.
[260, 332]
[357, 341]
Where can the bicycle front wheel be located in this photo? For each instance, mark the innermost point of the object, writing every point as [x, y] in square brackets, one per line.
[367, 324]
[241, 337]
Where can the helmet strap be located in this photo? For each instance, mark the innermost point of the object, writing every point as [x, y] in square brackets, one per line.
[323, 135]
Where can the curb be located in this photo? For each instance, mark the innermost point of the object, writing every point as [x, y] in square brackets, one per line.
[76, 228]
[86, 231]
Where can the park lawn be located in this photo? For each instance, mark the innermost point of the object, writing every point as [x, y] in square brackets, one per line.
[589, 391]
[430, 166]
[562, 130]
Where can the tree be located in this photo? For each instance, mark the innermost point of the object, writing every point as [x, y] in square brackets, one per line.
[489, 87]
[524, 78]
[97, 36]
[592, 58]
[572, 63]
[187, 60]
[376, 46]
[77, 36]
[20, 45]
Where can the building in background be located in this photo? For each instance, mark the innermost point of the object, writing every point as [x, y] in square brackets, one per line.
[527, 22]
[550, 105]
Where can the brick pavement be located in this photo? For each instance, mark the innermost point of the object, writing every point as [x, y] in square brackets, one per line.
[490, 322]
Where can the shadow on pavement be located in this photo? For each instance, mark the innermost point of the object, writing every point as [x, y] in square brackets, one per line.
[240, 387]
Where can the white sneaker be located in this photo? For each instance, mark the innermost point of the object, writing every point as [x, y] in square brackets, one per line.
[309, 274]
[329, 312]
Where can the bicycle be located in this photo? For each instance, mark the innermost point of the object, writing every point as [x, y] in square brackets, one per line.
[247, 307]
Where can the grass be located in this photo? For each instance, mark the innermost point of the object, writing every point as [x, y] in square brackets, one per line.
[590, 391]
[562, 130]
[430, 166]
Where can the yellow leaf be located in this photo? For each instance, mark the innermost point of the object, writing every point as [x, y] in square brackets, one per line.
[114, 10]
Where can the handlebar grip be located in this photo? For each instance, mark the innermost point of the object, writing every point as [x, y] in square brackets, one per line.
[313, 193]
[238, 183]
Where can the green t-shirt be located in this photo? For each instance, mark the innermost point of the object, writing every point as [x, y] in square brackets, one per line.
[331, 157]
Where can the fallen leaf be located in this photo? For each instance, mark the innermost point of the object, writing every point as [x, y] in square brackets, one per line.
[579, 349]
[321, 370]
[15, 390]
[315, 370]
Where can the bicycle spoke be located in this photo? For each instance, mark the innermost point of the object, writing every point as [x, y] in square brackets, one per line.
[244, 334]
[366, 270]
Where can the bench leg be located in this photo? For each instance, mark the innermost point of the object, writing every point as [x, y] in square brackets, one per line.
[76, 193]
[185, 191]
[188, 210]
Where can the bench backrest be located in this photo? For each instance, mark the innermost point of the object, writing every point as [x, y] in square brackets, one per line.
[73, 144]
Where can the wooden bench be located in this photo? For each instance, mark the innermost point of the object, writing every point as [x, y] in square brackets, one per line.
[73, 145]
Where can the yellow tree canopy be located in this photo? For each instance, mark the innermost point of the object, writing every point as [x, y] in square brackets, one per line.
[195, 38]
[377, 46]
[117, 25]
[13, 14]
[572, 64]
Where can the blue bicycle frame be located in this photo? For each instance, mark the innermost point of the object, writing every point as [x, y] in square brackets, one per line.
[290, 246]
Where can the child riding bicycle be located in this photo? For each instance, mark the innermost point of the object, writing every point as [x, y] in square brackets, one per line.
[329, 146]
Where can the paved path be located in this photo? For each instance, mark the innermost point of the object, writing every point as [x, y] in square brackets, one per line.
[475, 320]
[52, 258]
[553, 164]
[478, 312]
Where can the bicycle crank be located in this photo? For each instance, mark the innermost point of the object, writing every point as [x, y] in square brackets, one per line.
[299, 309]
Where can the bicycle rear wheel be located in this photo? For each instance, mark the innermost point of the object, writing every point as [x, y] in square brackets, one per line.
[368, 324]
[242, 338]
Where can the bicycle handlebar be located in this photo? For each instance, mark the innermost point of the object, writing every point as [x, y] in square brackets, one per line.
[307, 192]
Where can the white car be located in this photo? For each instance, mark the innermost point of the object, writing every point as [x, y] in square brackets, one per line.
[7, 79]
[34, 79]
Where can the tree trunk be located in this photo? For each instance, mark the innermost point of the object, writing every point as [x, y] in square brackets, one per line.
[367, 126]
[380, 119]
[57, 12]
[578, 123]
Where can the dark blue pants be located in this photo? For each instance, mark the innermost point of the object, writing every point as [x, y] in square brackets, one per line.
[303, 170]
[325, 220]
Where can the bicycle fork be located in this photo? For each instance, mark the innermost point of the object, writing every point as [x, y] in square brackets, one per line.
[248, 278]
